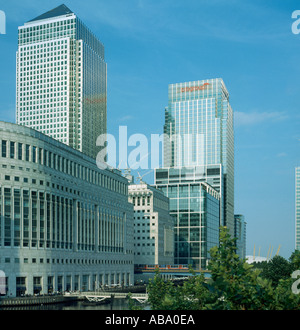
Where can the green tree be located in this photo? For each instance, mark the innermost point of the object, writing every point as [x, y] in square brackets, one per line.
[233, 285]
[160, 293]
[284, 298]
[295, 260]
[237, 284]
[194, 294]
[197, 293]
[276, 269]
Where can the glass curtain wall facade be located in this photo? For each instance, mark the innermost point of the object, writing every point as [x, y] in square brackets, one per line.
[195, 207]
[199, 131]
[61, 80]
[297, 225]
[240, 234]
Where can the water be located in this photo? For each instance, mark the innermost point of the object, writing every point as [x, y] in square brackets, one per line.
[116, 304]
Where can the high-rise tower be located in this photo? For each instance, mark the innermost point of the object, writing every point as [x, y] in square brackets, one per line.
[198, 147]
[199, 122]
[61, 80]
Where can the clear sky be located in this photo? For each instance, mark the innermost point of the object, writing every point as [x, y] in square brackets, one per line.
[152, 43]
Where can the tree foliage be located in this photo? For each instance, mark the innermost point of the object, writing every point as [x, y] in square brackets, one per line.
[233, 284]
[277, 269]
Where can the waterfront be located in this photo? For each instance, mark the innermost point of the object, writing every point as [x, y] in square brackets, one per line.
[116, 304]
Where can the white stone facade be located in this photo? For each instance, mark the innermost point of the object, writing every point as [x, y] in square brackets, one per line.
[153, 226]
[65, 224]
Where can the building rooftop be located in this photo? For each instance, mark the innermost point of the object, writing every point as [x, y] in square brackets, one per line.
[58, 11]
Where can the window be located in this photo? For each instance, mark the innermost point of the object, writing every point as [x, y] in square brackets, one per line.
[34, 154]
[27, 152]
[12, 150]
[20, 151]
[4, 143]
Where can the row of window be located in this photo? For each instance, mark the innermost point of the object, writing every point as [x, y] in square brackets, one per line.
[29, 153]
[47, 221]
[46, 36]
[63, 187]
[8, 260]
[60, 23]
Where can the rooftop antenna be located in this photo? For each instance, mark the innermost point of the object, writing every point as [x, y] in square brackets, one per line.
[140, 177]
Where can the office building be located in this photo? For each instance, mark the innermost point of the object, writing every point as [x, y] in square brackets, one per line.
[195, 207]
[64, 223]
[297, 211]
[153, 226]
[198, 162]
[240, 235]
[61, 80]
[199, 124]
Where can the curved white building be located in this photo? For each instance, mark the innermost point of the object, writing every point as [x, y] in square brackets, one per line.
[65, 224]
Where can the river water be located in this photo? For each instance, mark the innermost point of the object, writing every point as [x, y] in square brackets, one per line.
[116, 304]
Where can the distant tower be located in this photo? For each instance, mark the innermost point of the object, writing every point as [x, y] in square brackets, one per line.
[61, 80]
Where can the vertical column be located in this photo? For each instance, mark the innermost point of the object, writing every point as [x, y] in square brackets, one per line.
[100, 229]
[75, 224]
[96, 226]
[44, 284]
[29, 284]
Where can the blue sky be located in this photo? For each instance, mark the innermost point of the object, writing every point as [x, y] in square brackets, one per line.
[150, 44]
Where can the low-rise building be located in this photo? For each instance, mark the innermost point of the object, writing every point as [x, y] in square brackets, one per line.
[153, 226]
[195, 203]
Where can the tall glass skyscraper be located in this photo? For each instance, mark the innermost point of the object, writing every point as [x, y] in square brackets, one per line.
[297, 226]
[198, 148]
[199, 123]
[61, 80]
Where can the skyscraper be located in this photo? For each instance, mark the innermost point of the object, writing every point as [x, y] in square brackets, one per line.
[297, 225]
[61, 80]
[198, 149]
[199, 123]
